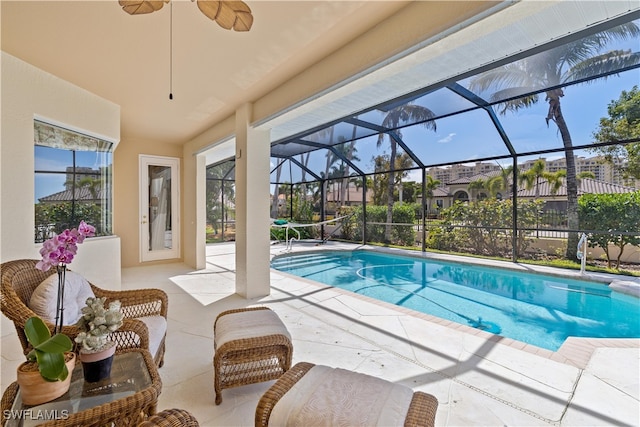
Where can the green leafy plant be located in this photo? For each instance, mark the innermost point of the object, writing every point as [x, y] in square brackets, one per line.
[48, 351]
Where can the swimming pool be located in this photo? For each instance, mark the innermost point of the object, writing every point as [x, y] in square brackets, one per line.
[541, 310]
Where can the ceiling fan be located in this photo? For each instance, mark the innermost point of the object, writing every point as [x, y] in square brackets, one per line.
[229, 15]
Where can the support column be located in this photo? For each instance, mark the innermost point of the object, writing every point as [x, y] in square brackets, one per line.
[193, 213]
[253, 152]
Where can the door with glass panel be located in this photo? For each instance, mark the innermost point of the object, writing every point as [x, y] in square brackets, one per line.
[159, 197]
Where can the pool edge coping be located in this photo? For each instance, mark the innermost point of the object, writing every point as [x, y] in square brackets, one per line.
[574, 351]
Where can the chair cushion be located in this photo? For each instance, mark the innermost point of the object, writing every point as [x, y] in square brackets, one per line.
[157, 326]
[327, 396]
[248, 324]
[76, 291]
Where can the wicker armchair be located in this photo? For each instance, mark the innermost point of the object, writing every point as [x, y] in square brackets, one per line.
[20, 278]
[171, 418]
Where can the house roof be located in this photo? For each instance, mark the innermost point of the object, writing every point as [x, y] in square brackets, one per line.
[441, 192]
[585, 186]
[469, 179]
[67, 196]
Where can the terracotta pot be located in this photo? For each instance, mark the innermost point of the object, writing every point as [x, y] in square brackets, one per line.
[35, 390]
[96, 366]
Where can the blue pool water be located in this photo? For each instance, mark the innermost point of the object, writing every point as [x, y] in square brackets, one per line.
[541, 310]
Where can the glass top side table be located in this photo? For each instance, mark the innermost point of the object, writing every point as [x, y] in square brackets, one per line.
[131, 390]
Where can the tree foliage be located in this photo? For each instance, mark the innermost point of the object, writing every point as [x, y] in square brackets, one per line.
[56, 217]
[622, 124]
[402, 232]
[484, 227]
[547, 71]
[607, 217]
[217, 190]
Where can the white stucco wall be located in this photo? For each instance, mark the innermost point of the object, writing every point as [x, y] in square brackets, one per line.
[27, 93]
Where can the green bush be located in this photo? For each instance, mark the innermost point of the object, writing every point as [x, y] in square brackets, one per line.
[400, 234]
[67, 215]
[484, 227]
[613, 214]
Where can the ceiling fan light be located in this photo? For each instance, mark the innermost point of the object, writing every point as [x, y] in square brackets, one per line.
[138, 7]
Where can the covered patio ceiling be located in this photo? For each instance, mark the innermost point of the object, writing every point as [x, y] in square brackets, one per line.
[442, 77]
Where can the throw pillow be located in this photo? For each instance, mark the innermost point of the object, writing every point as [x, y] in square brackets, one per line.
[76, 292]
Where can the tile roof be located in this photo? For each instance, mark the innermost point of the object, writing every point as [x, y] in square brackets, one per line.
[585, 186]
[469, 179]
[66, 196]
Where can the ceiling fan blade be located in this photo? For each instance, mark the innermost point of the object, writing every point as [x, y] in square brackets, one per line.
[138, 7]
[228, 14]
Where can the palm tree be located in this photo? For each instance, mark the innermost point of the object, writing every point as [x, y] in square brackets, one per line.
[584, 174]
[348, 150]
[474, 187]
[304, 160]
[430, 185]
[276, 192]
[500, 182]
[550, 69]
[406, 113]
[533, 176]
[403, 162]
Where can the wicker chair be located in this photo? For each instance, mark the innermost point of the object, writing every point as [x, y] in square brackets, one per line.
[171, 418]
[20, 278]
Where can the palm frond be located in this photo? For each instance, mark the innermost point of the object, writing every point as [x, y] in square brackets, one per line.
[602, 64]
[514, 104]
[407, 114]
[510, 75]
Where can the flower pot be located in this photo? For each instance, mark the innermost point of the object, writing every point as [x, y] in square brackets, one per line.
[96, 366]
[35, 390]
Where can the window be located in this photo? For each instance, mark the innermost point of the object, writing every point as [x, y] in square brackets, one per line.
[73, 174]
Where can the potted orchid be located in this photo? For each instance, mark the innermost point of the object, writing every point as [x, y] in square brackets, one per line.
[46, 373]
[97, 323]
[58, 252]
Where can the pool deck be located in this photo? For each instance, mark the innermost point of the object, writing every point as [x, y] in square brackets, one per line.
[478, 378]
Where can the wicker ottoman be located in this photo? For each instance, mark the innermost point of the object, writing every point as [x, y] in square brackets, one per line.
[252, 345]
[323, 396]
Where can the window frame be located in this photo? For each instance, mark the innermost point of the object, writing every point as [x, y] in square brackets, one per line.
[82, 197]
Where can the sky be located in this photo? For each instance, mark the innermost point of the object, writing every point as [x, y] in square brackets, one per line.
[471, 135]
[51, 159]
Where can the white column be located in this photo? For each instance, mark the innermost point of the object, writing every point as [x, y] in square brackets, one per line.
[252, 207]
[194, 215]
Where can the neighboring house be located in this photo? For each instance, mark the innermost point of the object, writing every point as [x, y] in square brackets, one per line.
[558, 200]
[459, 190]
[352, 196]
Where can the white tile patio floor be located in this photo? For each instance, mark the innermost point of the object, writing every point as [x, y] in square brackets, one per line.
[479, 379]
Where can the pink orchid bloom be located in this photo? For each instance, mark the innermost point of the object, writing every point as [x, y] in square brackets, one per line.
[62, 248]
[86, 230]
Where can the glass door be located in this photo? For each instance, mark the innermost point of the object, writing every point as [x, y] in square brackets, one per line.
[159, 197]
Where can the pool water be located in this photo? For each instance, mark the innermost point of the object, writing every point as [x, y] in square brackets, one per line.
[537, 309]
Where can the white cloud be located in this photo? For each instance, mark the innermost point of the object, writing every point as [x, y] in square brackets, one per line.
[447, 138]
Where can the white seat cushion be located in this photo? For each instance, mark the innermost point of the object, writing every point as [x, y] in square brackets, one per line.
[157, 326]
[248, 324]
[76, 291]
[327, 396]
